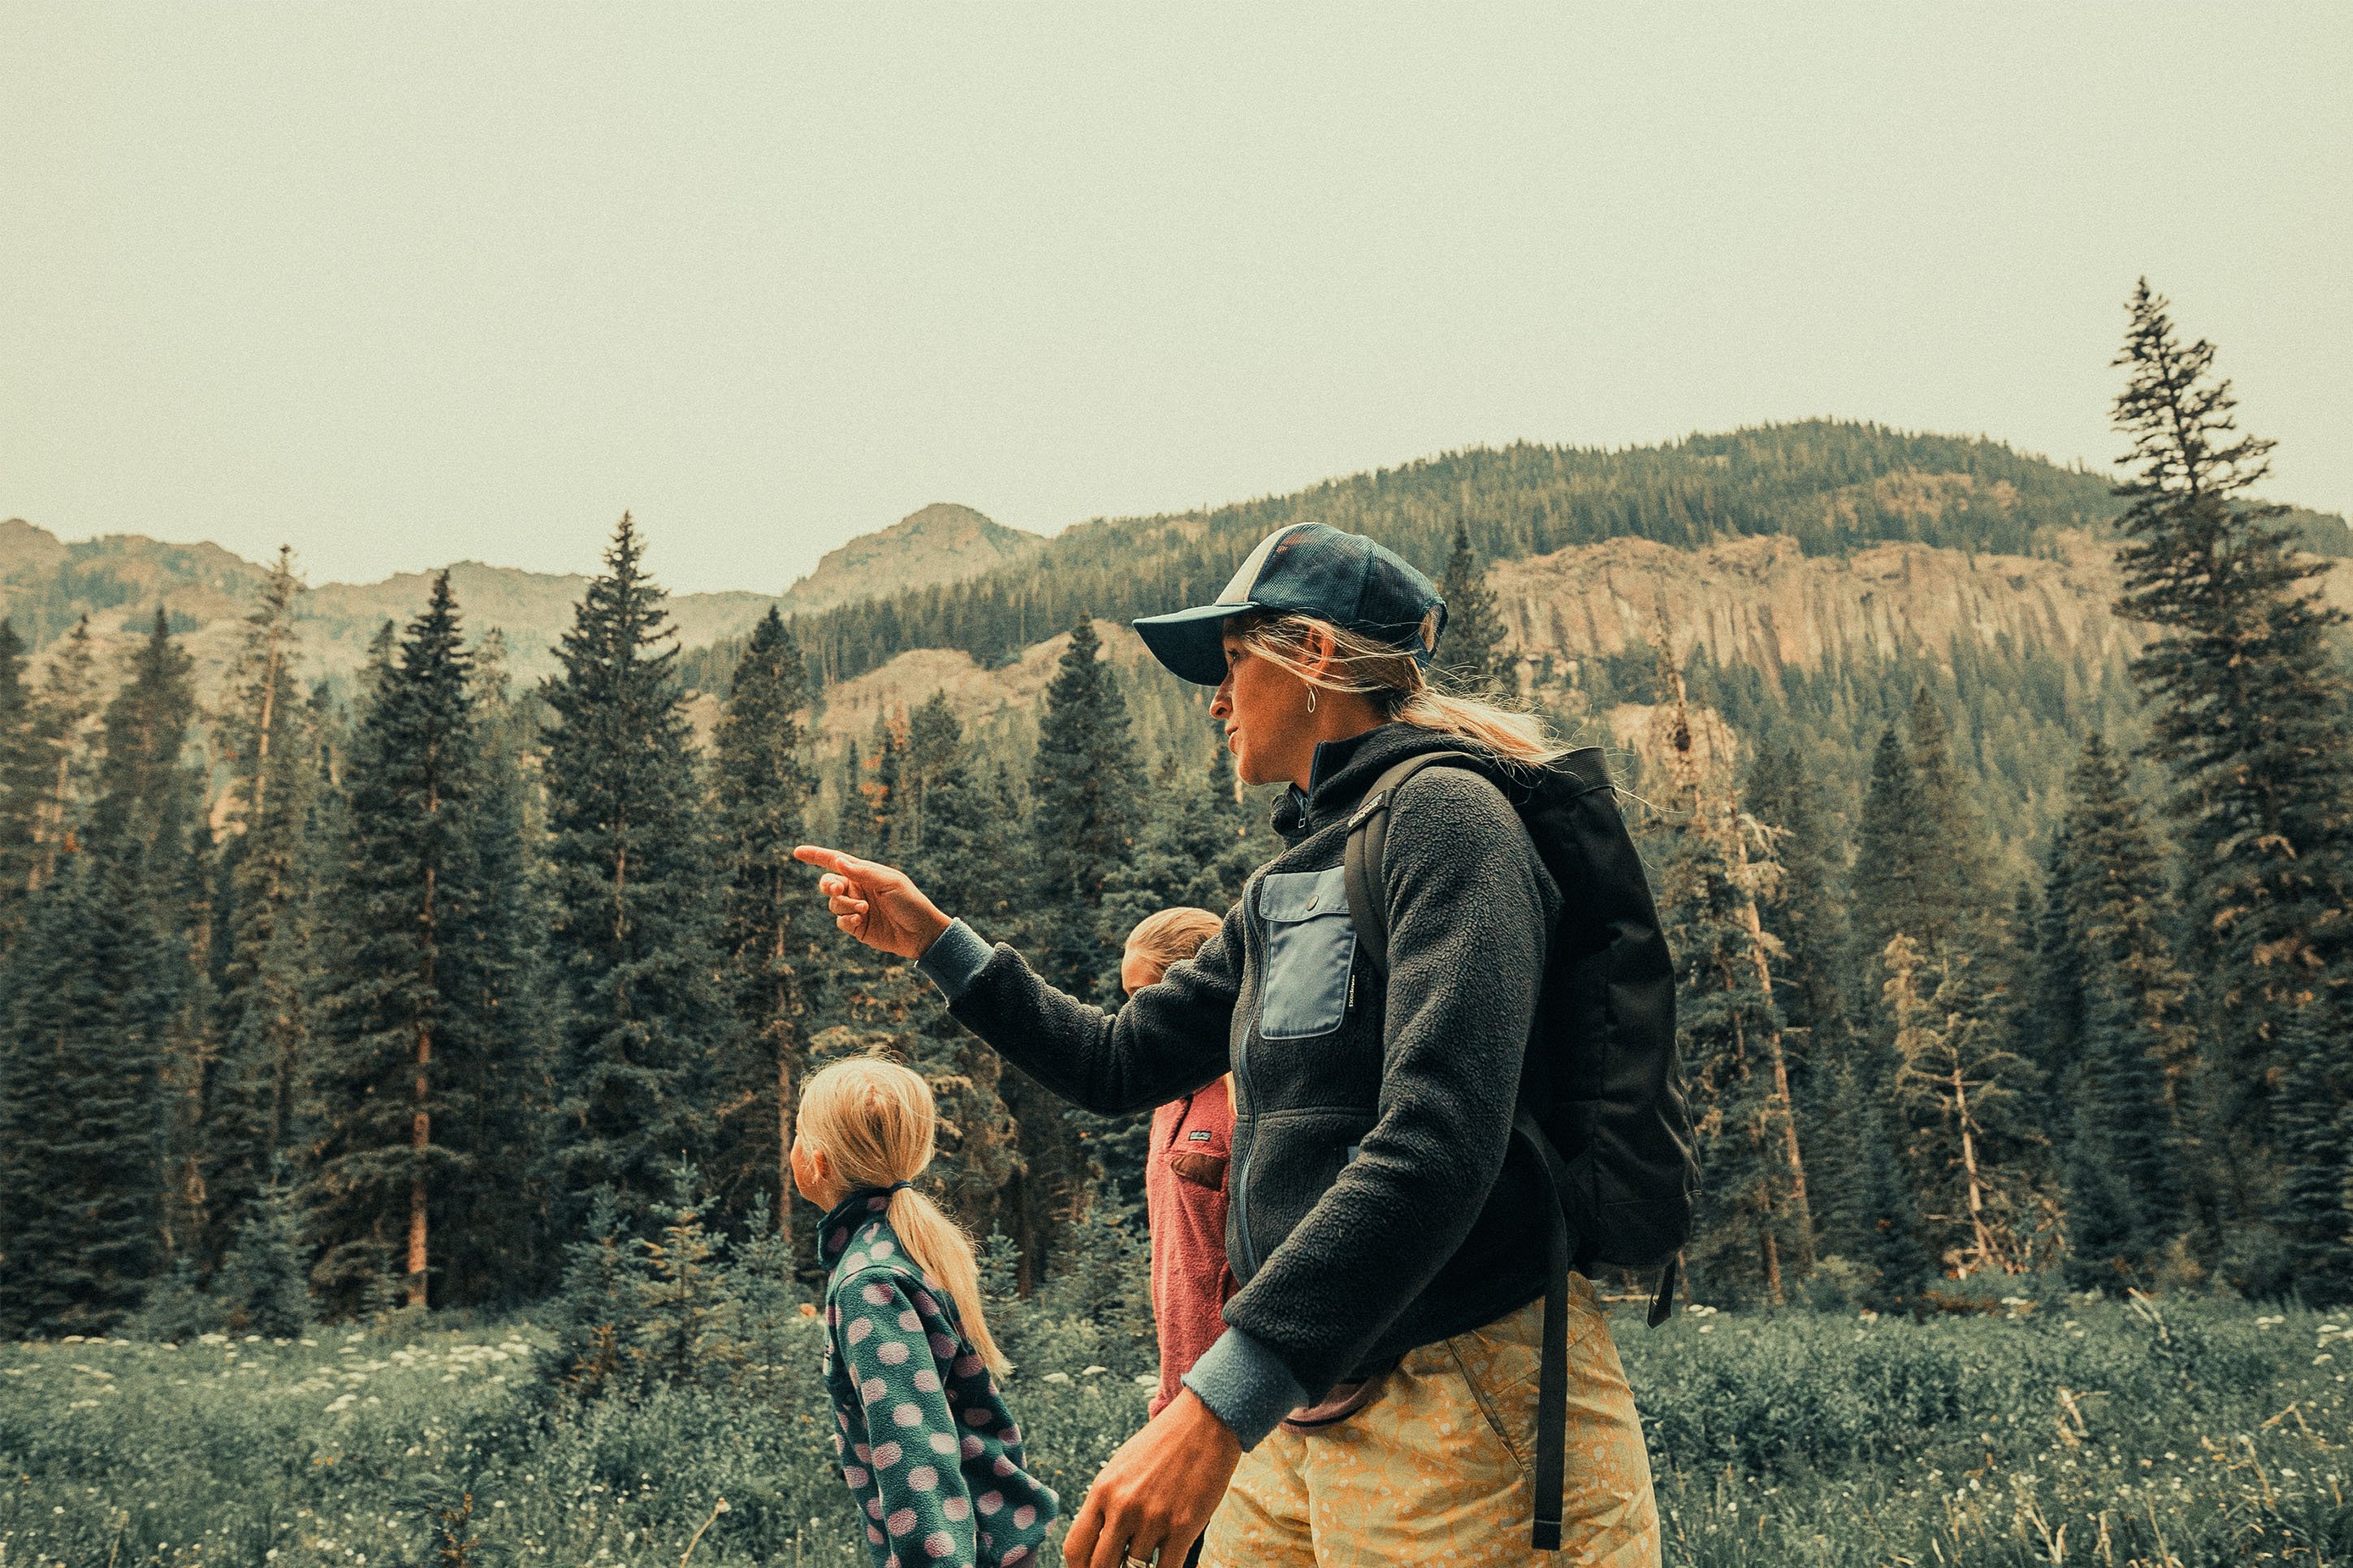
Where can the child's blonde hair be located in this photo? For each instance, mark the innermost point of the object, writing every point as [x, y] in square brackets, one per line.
[1172, 936]
[874, 1120]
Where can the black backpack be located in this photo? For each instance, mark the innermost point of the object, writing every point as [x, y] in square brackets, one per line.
[1602, 1111]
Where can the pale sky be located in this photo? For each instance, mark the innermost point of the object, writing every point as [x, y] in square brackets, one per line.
[403, 284]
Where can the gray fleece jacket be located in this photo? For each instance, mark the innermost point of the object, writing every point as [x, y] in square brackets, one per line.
[1373, 1208]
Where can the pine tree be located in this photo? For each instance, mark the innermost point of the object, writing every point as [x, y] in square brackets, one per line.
[688, 1331]
[1967, 1094]
[1471, 657]
[1803, 910]
[499, 1246]
[147, 798]
[262, 985]
[969, 858]
[1881, 1218]
[1890, 860]
[2138, 1046]
[67, 713]
[600, 1305]
[81, 1114]
[382, 1087]
[763, 790]
[2316, 1146]
[1718, 867]
[23, 773]
[263, 1282]
[1956, 886]
[2251, 719]
[1084, 792]
[634, 939]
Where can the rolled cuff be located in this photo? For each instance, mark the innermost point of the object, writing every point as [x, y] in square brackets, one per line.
[956, 955]
[1246, 1386]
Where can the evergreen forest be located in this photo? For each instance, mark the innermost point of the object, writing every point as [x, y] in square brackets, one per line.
[425, 991]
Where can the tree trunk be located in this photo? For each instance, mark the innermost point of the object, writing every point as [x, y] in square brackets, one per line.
[1980, 1232]
[420, 1139]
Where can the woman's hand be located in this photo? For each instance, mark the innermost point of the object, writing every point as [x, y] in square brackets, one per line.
[876, 904]
[1156, 1493]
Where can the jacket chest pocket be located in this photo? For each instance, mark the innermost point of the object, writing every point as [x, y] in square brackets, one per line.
[1310, 944]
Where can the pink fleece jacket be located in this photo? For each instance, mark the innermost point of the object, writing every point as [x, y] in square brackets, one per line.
[1185, 1198]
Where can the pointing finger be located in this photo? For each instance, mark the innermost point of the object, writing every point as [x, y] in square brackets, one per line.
[832, 859]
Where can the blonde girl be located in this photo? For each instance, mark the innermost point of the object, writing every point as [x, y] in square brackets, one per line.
[927, 1447]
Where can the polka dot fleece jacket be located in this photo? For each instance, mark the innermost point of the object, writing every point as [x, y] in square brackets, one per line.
[926, 1442]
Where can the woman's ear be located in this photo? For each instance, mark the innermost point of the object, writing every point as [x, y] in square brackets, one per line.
[1319, 652]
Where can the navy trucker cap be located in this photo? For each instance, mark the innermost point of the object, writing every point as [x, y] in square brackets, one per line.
[1309, 569]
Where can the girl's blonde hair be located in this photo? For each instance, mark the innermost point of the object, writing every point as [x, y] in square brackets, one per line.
[1394, 681]
[1172, 936]
[874, 1119]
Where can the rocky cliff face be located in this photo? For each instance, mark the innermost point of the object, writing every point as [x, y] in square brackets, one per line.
[1759, 602]
[941, 543]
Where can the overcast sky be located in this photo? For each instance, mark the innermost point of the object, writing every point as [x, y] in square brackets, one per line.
[404, 284]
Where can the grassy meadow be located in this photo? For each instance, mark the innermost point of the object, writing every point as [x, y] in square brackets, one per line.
[2180, 1432]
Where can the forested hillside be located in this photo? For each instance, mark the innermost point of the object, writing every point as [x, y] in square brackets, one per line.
[318, 997]
[1833, 487]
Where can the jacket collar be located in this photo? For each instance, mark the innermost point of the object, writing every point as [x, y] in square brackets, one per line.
[843, 1221]
[1343, 770]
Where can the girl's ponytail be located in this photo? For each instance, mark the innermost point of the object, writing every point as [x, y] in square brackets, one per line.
[940, 1248]
[874, 1119]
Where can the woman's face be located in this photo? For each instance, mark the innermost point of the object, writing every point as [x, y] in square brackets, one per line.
[1263, 708]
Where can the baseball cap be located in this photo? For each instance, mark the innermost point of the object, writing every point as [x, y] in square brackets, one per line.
[1309, 569]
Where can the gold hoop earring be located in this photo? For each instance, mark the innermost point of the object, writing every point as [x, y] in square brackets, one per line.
[1310, 700]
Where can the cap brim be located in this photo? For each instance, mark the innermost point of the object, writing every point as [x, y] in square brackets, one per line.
[1191, 643]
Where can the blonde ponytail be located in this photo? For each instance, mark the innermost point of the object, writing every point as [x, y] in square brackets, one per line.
[1396, 682]
[874, 1119]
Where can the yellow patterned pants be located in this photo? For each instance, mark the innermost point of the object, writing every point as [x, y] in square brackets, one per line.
[1439, 1468]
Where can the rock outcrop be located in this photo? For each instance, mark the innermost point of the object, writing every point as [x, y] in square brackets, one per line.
[941, 543]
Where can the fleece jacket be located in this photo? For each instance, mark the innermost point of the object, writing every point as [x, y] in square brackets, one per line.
[924, 1438]
[1373, 1207]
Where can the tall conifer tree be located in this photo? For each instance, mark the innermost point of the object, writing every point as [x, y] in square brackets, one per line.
[635, 939]
[262, 983]
[1085, 793]
[1968, 1093]
[2250, 721]
[67, 713]
[145, 826]
[499, 1244]
[1470, 654]
[23, 773]
[383, 1161]
[1890, 860]
[2315, 1212]
[2138, 1049]
[763, 790]
[81, 1157]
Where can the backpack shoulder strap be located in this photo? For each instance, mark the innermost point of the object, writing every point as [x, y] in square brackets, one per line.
[1368, 832]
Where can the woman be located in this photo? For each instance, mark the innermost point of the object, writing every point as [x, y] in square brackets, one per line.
[1390, 1258]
